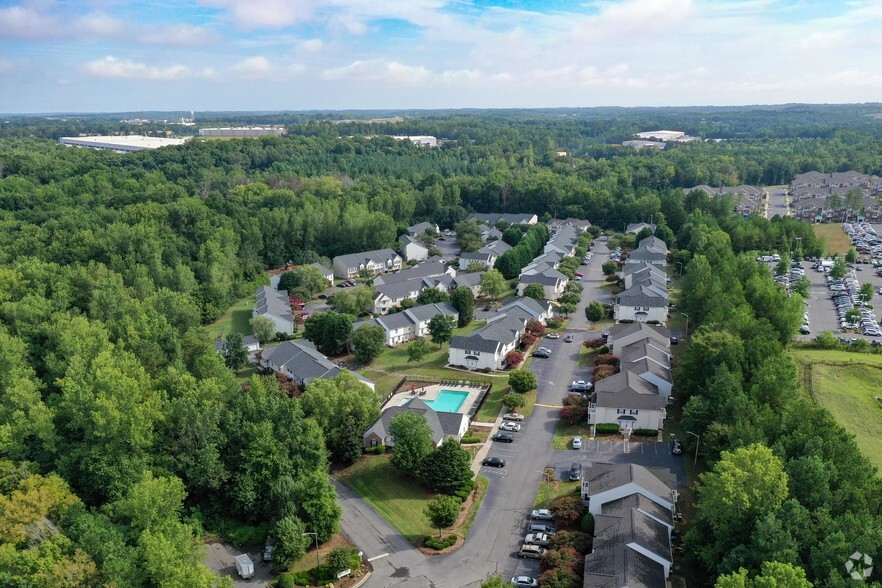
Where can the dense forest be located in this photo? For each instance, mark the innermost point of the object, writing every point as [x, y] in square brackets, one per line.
[124, 438]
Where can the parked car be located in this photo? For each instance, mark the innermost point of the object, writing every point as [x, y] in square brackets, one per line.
[542, 514]
[510, 426]
[568, 339]
[677, 448]
[542, 528]
[268, 549]
[512, 416]
[524, 581]
[531, 551]
[552, 336]
[493, 462]
[577, 442]
[675, 341]
[544, 354]
[503, 437]
[579, 275]
[488, 307]
[575, 472]
[581, 386]
[540, 539]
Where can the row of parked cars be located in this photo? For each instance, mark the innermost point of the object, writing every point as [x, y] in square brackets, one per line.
[616, 254]
[845, 296]
[864, 238]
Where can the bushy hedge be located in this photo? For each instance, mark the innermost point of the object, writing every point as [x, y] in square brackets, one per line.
[602, 428]
[646, 432]
[587, 524]
[470, 439]
[439, 544]
[595, 343]
[378, 450]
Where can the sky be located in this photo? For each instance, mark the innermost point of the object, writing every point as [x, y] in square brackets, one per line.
[131, 55]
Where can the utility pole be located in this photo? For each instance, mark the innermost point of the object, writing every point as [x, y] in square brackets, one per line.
[697, 440]
[686, 332]
[318, 561]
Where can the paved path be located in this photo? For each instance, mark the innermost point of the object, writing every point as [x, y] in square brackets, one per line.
[500, 524]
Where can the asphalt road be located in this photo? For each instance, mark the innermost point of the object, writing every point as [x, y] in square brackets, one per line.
[777, 201]
[501, 523]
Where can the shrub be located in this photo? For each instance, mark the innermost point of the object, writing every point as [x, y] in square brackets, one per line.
[587, 524]
[577, 540]
[527, 339]
[612, 279]
[286, 580]
[468, 438]
[626, 321]
[439, 544]
[513, 401]
[513, 358]
[555, 323]
[486, 370]
[646, 432]
[378, 450]
[607, 359]
[574, 414]
[576, 400]
[568, 510]
[602, 428]
[560, 578]
[595, 343]
[565, 558]
[603, 348]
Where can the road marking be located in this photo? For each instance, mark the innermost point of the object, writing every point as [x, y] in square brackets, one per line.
[548, 405]
[382, 555]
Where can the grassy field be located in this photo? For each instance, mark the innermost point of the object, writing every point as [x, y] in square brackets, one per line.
[847, 384]
[493, 403]
[236, 318]
[835, 239]
[549, 491]
[397, 498]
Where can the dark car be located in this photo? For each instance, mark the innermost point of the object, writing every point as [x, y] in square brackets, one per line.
[675, 341]
[503, 437]
[488, 307]
[568, 339]
[575, 472]
[323, 296]
[677, 448]
[494, 462]
[542, 353]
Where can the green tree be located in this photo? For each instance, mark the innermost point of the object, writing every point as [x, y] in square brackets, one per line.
[417, 350]
[447, 468]
[774, 575]
[522, 381]
[329, 331]
[344, 407]
[412, 438]
[307, 278]
[493, 284]
[432, 295]
[355, 301]
[513, 401]
[567, 308]
[569, 298]
[464, 302]
[866, 292]
[534, 291]
[475, 267]
[291, 543]
[512, 236]
[783, 266]
[851, 256]
[368, 342]
[263, 328]
[236, 355]
[442, 512]
[838, 269]
[609, 268]
[441, 328]
[595, 311]
[802, 286]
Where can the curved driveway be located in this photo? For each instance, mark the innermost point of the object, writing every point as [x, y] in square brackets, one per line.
[500, 524]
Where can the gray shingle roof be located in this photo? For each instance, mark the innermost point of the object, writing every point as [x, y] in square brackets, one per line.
[273, 302]
[441, 423]
[493, 217]
[637, 227]
[549, 277]
[378, 256]
[601, 477]
[640, 296]
[325, 271]
[643, 366]
[429, 268]
[534, 307]
[653, 242]
[304, 363]
[501, 331]
[657, 332]
[420, 228]
[642, 349]
[623, 505]
[631, 527]
[628, 390]
[619, 566]
[469, 280]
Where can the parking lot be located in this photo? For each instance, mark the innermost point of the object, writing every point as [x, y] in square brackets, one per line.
[821, 307]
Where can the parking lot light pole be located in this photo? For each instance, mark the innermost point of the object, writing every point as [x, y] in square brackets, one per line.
[697, 440]
[318, 561]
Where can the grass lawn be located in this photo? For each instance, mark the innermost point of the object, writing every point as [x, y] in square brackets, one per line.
[564, 433]
[549, 491]
[397, 498]
[245, 375]
[481, 484]
[493, 403]
[586, 356]
[600, 326]
[835, 239]
[235, 319]
[846, 384]
[530, 397]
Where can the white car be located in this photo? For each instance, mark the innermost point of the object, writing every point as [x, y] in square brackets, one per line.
[510, 426]
[524, 581]
[540, 539]
[542, 514]
[577, 442]
[552, 336]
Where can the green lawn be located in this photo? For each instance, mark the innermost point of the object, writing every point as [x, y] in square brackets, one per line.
[847, 384]
[236, 318]
[586, 356]
[555, 489]
[835, 239]
[564, 433]
[530, 397]
[493, 403]
[397, 498]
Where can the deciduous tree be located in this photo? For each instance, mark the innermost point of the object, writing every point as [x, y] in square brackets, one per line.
[534, 291]
[412, 438]
[464, 302]
[447, 468]
[442, 512]
[368, 342]
[522, 381]
[441, 328]
[493, 284]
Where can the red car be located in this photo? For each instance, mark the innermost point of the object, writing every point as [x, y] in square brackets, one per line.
[578, 275]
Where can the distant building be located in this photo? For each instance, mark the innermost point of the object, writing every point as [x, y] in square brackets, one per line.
[242, 131]
[746, 199]
[121, 143]
[661, 135]
[491, 218]
[301, 363]
[419, 140]
[644, 144]
[274, 305]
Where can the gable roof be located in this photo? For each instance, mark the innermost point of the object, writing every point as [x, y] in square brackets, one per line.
[428, 268]
[601, 477]
[377, 256]
[441, 423]
[548, 277]
[618, 566]
[642, 366]
[406, 240]
[661, 334]
[641, 295]
[469, 280]
[637, 227]
[628, 390]
[653, 242]
[273, 302]
[325, 271]
[503, 330]
[494, 217]
[634, 527]
[640, 349]
[421, 228]
[622, 505]
[535, 308]
[304, 362]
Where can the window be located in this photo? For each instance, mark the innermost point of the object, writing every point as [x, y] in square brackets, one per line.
[620, 411]
[637, 308]
[633, 411]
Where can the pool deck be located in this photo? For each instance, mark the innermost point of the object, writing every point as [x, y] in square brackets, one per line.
[432, 391]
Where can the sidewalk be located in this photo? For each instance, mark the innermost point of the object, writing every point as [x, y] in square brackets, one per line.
[485, 449]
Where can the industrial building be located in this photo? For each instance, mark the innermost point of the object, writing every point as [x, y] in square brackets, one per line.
[242, 131]
[121, 143]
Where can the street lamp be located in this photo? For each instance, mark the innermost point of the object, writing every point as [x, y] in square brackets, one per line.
[318, 561]
[680, 263]
[697, 440]
[686, 333]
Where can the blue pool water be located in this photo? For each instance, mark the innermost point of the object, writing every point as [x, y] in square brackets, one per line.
[447, 401]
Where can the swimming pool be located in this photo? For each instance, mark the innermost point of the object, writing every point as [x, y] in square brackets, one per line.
[447, 401]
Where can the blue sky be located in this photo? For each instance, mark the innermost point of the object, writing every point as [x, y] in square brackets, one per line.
[124, 55]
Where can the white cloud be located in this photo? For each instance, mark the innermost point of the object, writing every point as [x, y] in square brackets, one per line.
[312, 45]
[27, 22]
[123, 69]
[98, 24]
[379, 70]
[182, 35]
[265, 14]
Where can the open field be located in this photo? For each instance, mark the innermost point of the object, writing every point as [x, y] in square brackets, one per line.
[847, 385]
[549, 491]
[564, 433]
[835, 239]
[236, 318]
